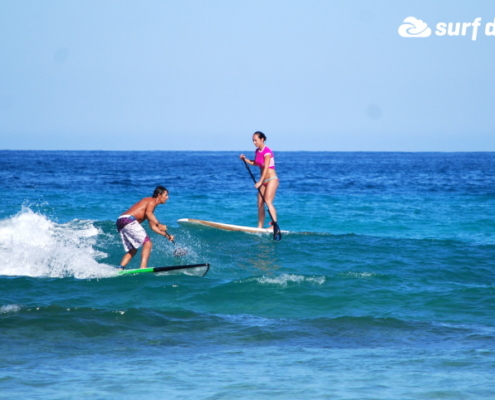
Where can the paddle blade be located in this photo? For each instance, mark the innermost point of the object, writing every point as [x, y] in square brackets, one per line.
[277, 234]
[180, 252]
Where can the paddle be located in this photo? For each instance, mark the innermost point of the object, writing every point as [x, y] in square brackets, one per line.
[277, 234]
[179, 251]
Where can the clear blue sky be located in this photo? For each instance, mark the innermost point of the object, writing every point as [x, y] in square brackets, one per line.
[205, 74]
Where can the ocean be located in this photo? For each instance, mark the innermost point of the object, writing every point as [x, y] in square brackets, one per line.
[383, 289]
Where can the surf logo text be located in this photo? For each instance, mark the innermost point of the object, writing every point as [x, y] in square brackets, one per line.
[413, 27]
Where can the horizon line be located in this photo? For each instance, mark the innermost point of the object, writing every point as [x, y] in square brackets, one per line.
[278, 151]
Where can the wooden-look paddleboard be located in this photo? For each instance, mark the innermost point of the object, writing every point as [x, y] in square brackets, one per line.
[225, 227]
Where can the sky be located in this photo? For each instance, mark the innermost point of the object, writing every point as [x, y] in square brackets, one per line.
[313, 75]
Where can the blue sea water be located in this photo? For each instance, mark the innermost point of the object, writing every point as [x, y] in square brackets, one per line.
[384, 288]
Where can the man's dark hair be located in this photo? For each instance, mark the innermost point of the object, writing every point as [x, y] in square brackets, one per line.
[159, 190]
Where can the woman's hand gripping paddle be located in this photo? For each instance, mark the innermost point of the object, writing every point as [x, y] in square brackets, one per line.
[277, 234]
[179, 251]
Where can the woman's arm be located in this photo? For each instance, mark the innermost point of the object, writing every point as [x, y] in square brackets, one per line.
[243, 157]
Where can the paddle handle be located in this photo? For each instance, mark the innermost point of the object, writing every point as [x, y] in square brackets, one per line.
[169, 237]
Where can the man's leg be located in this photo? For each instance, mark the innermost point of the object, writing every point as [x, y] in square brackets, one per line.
[128, 257]
[146, 254]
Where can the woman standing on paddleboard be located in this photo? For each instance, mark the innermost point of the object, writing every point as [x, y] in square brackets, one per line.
[268, 182]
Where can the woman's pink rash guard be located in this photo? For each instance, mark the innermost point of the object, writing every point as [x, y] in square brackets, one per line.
[259, 157]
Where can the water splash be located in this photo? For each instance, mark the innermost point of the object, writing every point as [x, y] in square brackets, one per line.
[33, 245]
[10, 309]
[285, 279]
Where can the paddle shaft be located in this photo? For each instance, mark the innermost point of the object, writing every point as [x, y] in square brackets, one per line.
[179, 251]
[169, 237]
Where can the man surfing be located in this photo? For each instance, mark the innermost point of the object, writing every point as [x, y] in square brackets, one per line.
[133, 234]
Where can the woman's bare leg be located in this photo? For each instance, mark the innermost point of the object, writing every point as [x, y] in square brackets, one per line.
[261, 209]
[269, 194]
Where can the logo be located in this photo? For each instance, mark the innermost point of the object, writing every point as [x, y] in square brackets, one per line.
[413, 27]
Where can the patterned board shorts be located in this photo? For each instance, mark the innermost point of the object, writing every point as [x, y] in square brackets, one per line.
[131, 232]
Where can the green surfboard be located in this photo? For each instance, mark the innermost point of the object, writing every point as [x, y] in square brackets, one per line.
[192, 269]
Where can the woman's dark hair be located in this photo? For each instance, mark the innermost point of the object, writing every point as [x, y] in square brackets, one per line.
[159, 190]
[260, 134]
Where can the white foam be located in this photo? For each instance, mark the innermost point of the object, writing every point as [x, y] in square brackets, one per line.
[10, 308]
[33, 245]
[285, 279]
[359, 274]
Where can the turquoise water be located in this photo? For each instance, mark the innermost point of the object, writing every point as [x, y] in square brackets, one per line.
[384, 289]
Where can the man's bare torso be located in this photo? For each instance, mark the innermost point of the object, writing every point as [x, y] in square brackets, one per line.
[139, 209]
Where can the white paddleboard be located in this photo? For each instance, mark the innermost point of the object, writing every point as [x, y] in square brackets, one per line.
[226, 227]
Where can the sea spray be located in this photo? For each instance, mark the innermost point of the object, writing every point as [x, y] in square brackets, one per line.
[33, 245]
